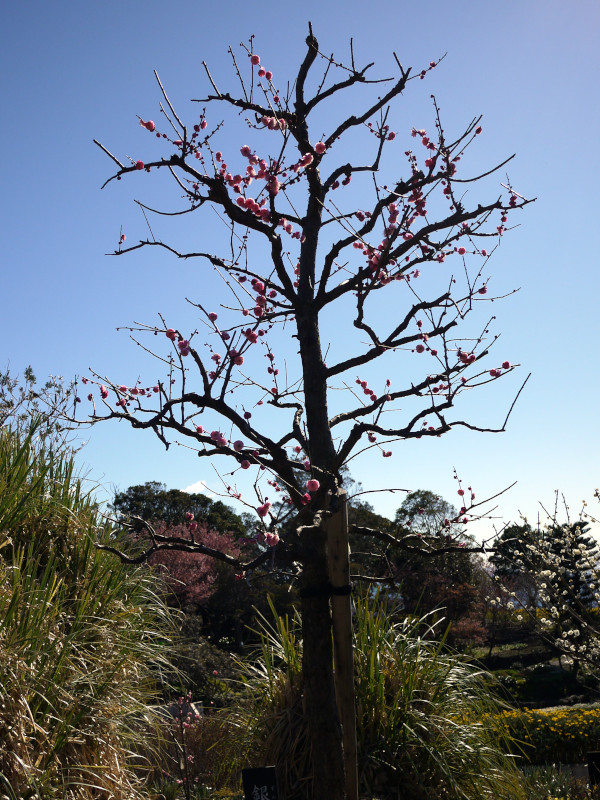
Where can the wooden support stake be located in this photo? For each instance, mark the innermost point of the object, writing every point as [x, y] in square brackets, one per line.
[338, 552]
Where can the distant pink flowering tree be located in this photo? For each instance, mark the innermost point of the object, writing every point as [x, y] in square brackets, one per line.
[192, 577]
[332, 275]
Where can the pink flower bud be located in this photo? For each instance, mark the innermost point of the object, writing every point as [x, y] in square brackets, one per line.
[139, 165]
[320, 148]
[245, 464]
[254, 59]
[103, 392]
[313, 485]
[171, 334]
[238, 445]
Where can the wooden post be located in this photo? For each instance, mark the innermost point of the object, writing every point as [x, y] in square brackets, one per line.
[338, 552]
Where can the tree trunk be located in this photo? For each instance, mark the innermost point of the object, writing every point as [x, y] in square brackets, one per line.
[317, 669]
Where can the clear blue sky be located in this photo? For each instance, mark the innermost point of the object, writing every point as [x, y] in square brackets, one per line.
[76, 70]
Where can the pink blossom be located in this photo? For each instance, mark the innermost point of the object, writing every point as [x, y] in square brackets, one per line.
[506, 365]
[150, 126]
[171, 334]
[103, 392]
[271, 538]
[320, 147]
[313, 485]
[461, 251]
[238, 445]
[245, 464]
[139, 165]
[263, 510]
[199, 428]
[254, 59]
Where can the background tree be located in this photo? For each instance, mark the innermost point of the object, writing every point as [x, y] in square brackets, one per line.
[154, 502]
[432, 576]
[313, 237]
[23, 399]
[426, 513]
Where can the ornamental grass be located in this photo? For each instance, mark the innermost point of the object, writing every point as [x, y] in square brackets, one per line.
[410, 694]
[80, 636]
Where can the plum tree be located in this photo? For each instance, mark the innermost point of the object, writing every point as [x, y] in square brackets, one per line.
[335, 281]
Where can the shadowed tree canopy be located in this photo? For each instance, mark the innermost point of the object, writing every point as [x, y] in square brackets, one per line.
[426, 513]
[153, 502]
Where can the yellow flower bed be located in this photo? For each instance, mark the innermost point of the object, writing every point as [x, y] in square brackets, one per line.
[553, 735]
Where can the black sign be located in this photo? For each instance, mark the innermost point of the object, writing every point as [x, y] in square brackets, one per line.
[260, 783]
